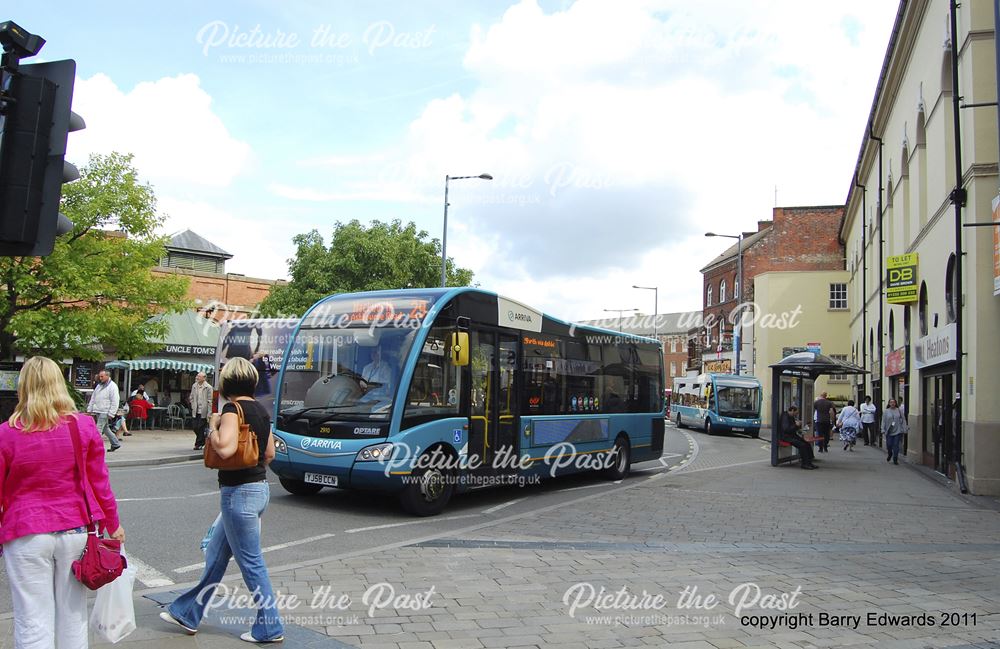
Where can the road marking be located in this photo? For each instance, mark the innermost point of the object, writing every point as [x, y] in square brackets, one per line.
[420, 522]
[503, 505]
[586, 486]
[147, 574]
[270, 548]
[151, 498]
[724, 466]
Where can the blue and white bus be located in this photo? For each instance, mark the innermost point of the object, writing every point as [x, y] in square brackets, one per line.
[719, 403]
[426, 392]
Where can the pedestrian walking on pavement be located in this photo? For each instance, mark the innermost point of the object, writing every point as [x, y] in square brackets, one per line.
[868, 410]
[44, 521]
[849, 422]
[824, 414]
[104, 406]
[788, 431]
[201, 408]
[893, 427]
[244, 497]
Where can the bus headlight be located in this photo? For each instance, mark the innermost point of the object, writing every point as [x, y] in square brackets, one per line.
[279, 445]
[376, 453]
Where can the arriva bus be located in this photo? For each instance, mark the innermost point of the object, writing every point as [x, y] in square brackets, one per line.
[719, 403]
[427, 392]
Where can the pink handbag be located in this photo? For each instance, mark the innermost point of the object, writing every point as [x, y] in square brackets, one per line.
[102, 561]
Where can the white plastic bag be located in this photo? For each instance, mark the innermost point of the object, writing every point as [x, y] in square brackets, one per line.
[113, 616]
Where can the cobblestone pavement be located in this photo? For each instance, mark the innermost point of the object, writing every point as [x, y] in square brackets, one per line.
[858, 537]
[858, 553]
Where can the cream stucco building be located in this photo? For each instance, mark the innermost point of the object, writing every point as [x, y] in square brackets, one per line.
[806, 308]
[900, 203]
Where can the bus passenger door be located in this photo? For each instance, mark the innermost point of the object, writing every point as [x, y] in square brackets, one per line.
[481, 409]
[504, 449]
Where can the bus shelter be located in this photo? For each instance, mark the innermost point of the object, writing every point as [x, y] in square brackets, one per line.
[793, 381]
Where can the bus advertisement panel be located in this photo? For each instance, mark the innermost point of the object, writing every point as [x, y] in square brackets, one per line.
[432, 391]
[261, 341]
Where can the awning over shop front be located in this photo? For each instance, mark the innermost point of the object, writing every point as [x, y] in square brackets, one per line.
[160, 364]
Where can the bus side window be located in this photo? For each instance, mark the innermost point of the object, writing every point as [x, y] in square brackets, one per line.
[435, 387]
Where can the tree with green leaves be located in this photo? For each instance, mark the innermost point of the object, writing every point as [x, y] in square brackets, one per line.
[96, 289]
[380, 256]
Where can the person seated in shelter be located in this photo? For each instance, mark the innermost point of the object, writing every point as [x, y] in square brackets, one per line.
[788, 431]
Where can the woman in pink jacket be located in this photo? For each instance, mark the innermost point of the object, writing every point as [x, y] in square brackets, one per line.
[43, 524]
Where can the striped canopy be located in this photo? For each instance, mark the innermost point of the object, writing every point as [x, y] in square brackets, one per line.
[160, 364]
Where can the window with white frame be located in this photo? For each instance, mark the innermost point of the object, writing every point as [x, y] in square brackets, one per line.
[838, 378]
[722, 291]
[708, 296]
[838, 297]
[673, 345]
[673, 368]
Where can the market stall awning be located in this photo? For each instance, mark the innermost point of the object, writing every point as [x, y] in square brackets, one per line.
[160, 364]
[188, 334]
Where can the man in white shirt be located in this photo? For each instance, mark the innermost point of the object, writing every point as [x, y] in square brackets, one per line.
[104, 405]
[868, 410]
[378, 375]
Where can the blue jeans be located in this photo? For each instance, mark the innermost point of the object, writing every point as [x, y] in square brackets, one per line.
[238, 536]
[893, 442]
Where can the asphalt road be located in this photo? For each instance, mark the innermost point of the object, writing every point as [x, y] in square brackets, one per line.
[167, 509]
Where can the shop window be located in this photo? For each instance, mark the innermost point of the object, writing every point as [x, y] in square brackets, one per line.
[951, 291]
[922, 309]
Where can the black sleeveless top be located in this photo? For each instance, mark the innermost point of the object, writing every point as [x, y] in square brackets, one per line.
[260, 422]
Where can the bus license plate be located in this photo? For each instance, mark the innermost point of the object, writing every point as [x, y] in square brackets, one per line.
[321, 478]
[738, 430]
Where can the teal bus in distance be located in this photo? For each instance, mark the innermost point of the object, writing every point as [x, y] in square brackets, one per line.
[717, 403]
[428, 392]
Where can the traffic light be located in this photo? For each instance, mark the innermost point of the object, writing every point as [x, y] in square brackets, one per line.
[36, 121]
[36, 124]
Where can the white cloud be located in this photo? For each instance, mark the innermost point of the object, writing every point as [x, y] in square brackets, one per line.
[168, 124]
[618, 132]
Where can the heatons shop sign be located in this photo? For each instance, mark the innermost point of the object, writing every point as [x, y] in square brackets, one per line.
[901, 279]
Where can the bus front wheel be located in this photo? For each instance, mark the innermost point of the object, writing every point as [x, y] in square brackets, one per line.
[679, 424]
[298, 487]
[708, 427]
[621, 461]
[428, 493]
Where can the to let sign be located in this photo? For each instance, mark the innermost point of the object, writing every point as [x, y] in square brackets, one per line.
[901, 279]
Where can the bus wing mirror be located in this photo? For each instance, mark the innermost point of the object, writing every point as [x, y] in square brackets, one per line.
[460, 348]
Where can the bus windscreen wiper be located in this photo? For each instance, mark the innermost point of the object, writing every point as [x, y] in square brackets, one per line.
[297, 414]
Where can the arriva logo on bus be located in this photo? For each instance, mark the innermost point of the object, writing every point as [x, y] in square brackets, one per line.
[329, 444]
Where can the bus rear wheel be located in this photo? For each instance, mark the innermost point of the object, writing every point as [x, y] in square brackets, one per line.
[428, 493]
[298, 487]
[621, 462]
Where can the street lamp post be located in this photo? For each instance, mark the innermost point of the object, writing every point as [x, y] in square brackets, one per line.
[444, 235]
[656, 303]
[620, 312]
[738, 330]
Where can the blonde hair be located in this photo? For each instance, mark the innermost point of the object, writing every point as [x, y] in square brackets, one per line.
[42, 398]
[238, 378]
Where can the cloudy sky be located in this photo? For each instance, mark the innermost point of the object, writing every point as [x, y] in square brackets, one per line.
[617, 131]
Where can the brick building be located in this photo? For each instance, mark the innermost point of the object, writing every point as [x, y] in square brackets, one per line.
[795, 239]
[216, 293]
